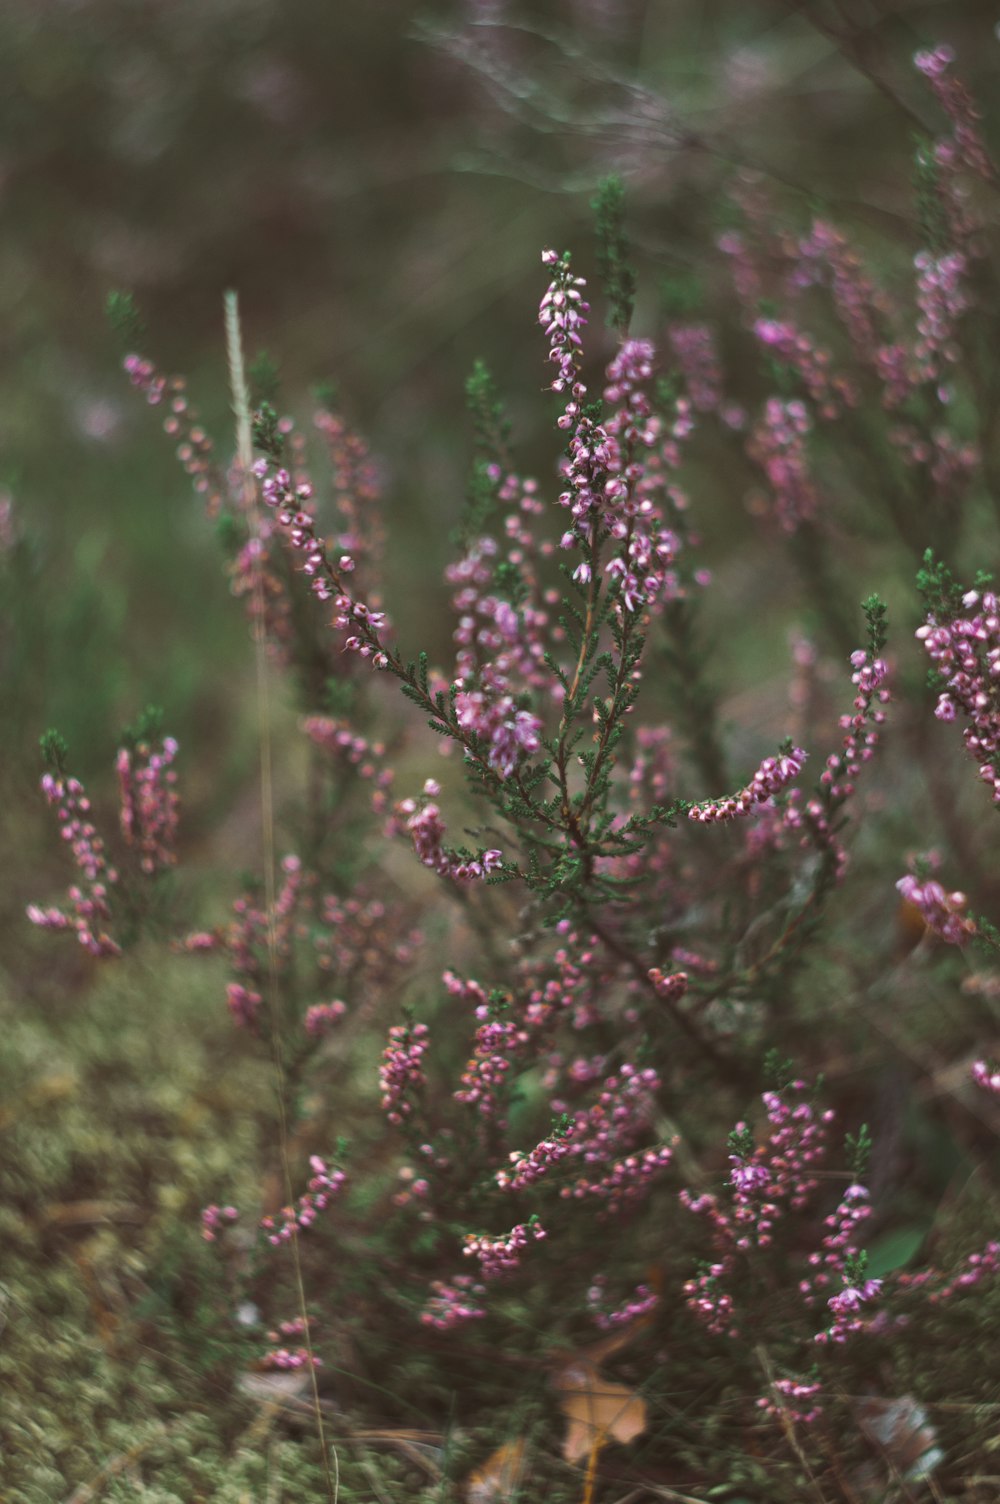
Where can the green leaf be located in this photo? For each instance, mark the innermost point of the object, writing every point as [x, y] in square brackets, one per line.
[895, 1249]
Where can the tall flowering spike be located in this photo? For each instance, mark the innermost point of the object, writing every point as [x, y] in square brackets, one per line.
[841, 1255]
[255, 578]
[357, 495]
[324, 1186]
[824, 256]
[638, 452]
[401, 1073]
[499, 1042]
[195, 449]
[962, 640]
[89, 909]
[942, 298]
[778, 444]
[956, 101]
[795, 348]
[766, 1182]
[344, 744]
[290, 499]
[694, 349]
[563, 315]
[773, 775]
[149, 803]
[502, 634]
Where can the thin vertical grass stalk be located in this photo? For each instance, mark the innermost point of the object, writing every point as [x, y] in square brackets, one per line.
[244, 452]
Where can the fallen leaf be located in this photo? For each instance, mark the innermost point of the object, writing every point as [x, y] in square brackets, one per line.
[597, 1409]
[900, 1429]
[274, 1386]
[499, 1477]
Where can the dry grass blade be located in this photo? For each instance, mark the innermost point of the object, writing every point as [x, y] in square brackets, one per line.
[244, 449]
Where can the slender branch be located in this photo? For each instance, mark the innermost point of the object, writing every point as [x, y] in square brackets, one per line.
[728, 1068]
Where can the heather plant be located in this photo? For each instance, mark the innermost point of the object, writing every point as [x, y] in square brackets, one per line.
[536, 1140]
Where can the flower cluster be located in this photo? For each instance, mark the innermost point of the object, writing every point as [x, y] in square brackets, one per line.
[401, 1073]
[291, 502]
[640, 453]
[149, 802]
[640, 1304]
[840, 1255]
[319, 944]
[195, 450]
[88, 899]
[509, 734]
[773, 775]
[957, 103]
[502, 646]
[356, 490]
[452, 1302]
[343, 743]
[789, 1401]
[603, 1136]
[321, 1017]
[766, 1182]
[778, 445]
[693, 347]
[825, 257]
[988, 1077]
[938, 1288]
[797, 349]
[255, 577]
[422, 820]
[285, 1360]
[497, 1043]
[965, 650]
[502, 1255]
[215, 1219]
[324, 1185]
[942, 912]
[363, 942]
